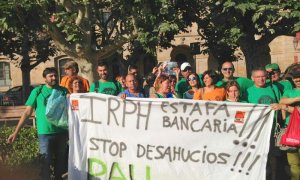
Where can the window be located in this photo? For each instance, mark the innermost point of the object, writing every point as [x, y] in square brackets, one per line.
[5, 74]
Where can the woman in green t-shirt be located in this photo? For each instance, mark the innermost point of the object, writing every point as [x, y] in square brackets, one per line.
[162, 87]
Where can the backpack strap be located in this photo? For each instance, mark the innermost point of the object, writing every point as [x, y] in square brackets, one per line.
[97, 85]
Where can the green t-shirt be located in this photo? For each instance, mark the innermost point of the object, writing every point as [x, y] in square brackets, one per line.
[263, 95]
[244, 83]
[291, 94]
[283, 85]
[38, 100]
[109, 87]
[182, 86]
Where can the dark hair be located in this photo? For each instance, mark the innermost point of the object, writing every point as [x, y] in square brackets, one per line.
[197, 79]
[49, 70]
[102, 63]
[130, 67]
[212, 74]
[150, 79]
[73, 78]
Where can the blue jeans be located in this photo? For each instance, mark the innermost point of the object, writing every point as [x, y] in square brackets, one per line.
[53, 147]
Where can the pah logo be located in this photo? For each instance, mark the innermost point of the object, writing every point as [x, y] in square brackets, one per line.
[74, 105]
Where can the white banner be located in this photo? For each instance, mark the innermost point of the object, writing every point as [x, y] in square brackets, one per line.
[166, 139]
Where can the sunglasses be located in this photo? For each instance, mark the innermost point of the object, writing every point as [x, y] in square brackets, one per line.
[192, 79]
[187, 69]
[227, 69]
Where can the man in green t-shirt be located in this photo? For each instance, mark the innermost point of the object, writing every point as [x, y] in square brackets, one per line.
[182, 85]
[103, 85]
[52, 139]
[264, 93]
[274, 77]
[227, 71]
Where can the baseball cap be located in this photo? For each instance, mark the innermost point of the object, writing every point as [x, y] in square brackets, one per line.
[184, 66]
[273, 66]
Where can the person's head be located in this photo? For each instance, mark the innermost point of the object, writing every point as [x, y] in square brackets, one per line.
[102, 70]
[295, 73]
[193, 80]
[76, 85]
[162, 84]
[227, 70]
[133, 69]
[131, 82]
[186, 69]
[121, 80]
[150, 79]
[232, 91]
[173, 80]
[273, 71]
[71, 68]
[259, 77]
[50, 76]
[210, 77]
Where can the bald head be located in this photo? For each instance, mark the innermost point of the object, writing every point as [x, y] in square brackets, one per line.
[131, 82]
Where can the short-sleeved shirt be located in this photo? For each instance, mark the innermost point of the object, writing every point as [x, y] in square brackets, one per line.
[291, 94]
[265, 95]
[283, 85]
[38, 100]
[218, 94]
[182, 86]
[244, 83]
[66, 80]
[109, 87]
[128, 94]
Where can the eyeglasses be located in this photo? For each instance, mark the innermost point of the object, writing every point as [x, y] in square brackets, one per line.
[192, 79]
[227, 69]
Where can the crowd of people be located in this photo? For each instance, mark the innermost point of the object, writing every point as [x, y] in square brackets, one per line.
[265, 87]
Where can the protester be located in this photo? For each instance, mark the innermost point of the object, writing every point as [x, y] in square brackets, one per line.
[133, 69]
[148, 85]
[264, 93]
[210, 91]
[194, 82]
[103, 85]
[162, 87]
[274, 72]
[132, 88]
[71, 69]
[52, 139]
[173, 81]
[232, 91]
[291, 99]
[121, 80]
[182, 85]
[76, 85]
[227, 71]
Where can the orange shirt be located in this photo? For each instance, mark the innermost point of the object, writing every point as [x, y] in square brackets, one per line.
[66, 79]
[218, 94]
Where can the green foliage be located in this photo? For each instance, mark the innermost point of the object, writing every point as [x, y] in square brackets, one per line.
[24, 150]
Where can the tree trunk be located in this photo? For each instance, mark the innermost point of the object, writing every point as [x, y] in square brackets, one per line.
[25, 68]
[257, 54]
[87, 69]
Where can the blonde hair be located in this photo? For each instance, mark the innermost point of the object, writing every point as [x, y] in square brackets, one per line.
[159, 80]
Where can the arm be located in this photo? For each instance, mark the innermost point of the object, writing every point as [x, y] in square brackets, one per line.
[288, 101]
[26, 114]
